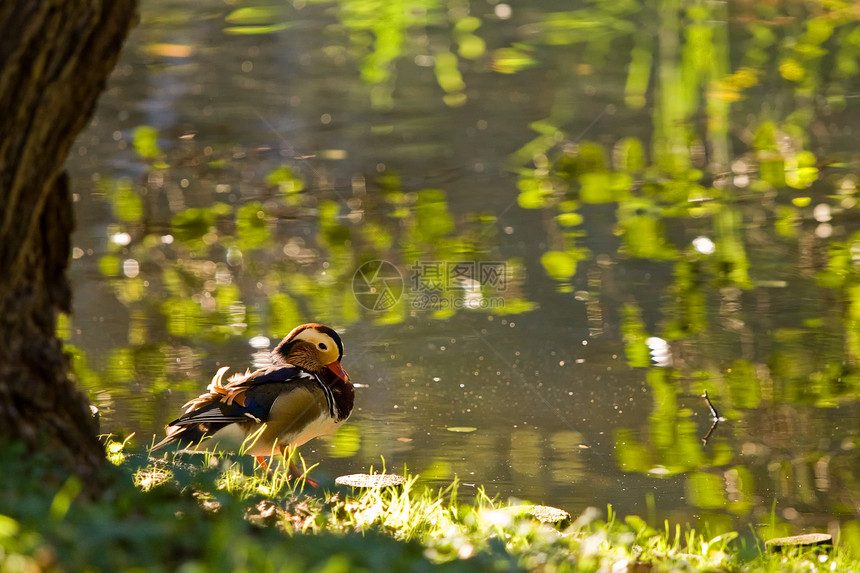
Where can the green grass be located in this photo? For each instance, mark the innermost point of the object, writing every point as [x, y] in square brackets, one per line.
[210, 514]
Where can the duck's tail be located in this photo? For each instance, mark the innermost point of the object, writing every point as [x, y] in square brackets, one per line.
[186, 436]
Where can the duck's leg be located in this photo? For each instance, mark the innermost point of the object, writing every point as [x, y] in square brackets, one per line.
[294, 470]
[295, 473]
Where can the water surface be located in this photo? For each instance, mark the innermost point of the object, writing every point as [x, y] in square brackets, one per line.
[587, 214]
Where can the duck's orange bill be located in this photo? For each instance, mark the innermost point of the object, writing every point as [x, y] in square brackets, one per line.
[338, 370]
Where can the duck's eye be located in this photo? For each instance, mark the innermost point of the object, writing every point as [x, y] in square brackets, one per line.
[323, 346]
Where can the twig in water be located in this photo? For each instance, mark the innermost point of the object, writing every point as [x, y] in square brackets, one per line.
[714, 416]
[714, 413]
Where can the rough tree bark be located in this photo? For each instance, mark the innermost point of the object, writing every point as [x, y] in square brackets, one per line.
[55, 57]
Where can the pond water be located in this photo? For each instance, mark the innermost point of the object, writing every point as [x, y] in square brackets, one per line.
[544, 231]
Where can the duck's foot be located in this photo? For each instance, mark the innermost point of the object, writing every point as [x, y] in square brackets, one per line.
[294, 471]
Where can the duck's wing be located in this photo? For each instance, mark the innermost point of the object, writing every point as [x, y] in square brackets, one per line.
[246, 399]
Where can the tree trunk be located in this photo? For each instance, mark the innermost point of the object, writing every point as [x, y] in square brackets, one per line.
[55, 57]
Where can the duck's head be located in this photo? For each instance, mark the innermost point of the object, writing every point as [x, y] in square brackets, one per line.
[313, 347]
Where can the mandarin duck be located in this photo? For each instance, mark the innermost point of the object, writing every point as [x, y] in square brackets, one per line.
[304, 394]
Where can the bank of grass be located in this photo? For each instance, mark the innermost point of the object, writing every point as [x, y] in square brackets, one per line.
[205, 515]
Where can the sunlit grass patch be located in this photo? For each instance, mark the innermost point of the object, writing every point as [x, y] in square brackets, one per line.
[273, 482]
[407, 511]
[114, 449]
[151, 476]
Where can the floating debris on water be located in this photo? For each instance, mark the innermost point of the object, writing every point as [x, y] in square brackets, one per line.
[542, 513]
[800, 541]
[370, 480]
